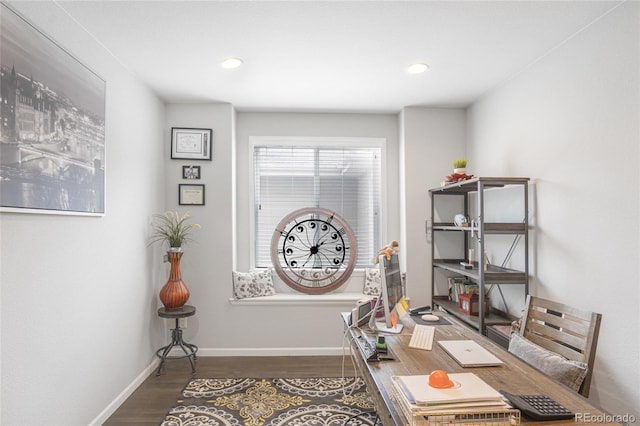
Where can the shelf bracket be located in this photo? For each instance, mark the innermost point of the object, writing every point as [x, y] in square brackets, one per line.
[475, 229]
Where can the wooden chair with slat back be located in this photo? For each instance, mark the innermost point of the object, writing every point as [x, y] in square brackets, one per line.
[564, 330]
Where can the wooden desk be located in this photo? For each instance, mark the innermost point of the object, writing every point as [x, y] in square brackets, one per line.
[515, 376]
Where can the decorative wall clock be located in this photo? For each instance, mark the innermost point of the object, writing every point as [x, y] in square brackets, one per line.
[313, 250]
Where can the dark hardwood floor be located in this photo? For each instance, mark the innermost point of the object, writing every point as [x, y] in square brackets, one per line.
[149, 404]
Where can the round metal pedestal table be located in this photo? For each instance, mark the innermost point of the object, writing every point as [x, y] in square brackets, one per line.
[176, 338]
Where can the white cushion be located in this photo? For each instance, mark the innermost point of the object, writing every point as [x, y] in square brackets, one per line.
[568, 372]
[372, 282]
[253, 284]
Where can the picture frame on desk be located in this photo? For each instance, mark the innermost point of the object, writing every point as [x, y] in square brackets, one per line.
[190, 195]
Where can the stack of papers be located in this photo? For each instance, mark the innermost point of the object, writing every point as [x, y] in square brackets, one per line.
[469, 392]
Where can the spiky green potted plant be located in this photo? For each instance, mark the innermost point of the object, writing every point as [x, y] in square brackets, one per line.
[459, 166]
[174, 230]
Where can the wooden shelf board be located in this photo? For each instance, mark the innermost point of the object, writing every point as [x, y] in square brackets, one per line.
[452, 307]
[493, 274]
[471, 185]
[489, 228]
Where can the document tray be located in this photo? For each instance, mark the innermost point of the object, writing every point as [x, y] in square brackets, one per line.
[415, 416]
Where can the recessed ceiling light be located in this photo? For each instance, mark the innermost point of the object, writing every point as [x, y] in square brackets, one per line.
[417, 68]
[231, 63]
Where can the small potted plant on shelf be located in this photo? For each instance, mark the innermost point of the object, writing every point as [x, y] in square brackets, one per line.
[459, 166]
[459, 172]
[173, 229]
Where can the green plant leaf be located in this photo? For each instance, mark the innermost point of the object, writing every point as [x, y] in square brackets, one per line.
[459, 163]
[172, 228]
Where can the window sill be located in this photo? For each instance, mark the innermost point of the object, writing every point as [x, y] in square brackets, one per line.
[301, 299]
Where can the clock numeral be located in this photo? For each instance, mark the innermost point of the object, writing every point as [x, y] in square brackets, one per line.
[342, 231]
[330, 219]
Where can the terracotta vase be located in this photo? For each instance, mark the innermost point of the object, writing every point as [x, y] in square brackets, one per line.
[175, 293]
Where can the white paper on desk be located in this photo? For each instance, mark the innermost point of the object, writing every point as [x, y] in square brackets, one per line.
[461, 407]
[468, 388]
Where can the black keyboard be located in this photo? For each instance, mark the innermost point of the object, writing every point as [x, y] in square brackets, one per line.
[539, 407]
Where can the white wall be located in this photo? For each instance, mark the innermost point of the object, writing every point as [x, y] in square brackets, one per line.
[314, 327]
[207, 265]
[431, 139]
[220, 327]
[570, 122]
[78, 310]
[207, 262]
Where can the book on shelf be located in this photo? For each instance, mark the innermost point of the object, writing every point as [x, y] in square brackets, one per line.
[459, 285]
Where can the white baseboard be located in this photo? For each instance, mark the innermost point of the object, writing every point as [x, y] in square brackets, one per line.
[126, 393]
[271, 351]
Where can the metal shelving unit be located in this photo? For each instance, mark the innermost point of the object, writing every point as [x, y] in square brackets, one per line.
[473, 236]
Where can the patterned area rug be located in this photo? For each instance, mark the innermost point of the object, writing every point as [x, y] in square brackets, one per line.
[274, 402]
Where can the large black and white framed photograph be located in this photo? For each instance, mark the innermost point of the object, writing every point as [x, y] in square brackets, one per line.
[190, 195]
[191, 143]
[52, 138]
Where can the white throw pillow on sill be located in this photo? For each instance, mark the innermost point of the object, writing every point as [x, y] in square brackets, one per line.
[253, 284]
[372, 282]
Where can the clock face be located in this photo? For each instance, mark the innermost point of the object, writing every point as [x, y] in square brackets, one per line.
[313, 250]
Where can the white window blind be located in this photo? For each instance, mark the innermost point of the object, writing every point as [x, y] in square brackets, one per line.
[345, 180]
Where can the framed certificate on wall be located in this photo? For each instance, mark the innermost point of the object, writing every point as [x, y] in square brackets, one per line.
[191, 195]
[191, 144]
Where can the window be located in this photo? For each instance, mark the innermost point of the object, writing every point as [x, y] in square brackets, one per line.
[339, 174]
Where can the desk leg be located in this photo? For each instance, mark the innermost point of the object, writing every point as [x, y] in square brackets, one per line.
[384, 415]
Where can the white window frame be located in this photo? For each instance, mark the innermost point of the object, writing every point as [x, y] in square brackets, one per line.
[314, 141]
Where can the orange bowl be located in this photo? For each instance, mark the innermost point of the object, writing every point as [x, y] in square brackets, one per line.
[440, 380]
